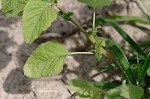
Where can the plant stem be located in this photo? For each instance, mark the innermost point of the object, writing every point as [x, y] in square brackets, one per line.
[110, 57]
[91, 38]
[72, 20]
[83, 53]
[94, 19]
[78, 26]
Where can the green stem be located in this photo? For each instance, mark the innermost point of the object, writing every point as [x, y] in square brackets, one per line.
[92, 39]
[78, 26]
[94, 19]
[72, 20]
[83, 53]
[110, 57]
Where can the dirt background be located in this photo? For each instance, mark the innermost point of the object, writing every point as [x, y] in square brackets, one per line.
[14, 51]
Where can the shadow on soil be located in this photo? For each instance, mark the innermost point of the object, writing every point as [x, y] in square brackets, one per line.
[16, 82]
[5, 55]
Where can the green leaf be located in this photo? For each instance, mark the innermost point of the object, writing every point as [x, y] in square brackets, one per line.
[113, 94]
[84, 89]
[95, 4]
[133, 92]
[53, 1]
[145, 68]
[8, 5]
[128, 39]
[148, 72]
[37, 17]
[13, 7]
[126, 91]
[122, 61]
[46, 60]
[99, 43]
[98, 56]
[117, 18]
[65, 16]
[105, 68]
[108, 85]
[144, 44]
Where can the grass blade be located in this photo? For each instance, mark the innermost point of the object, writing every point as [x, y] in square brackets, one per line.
[105, 68]
[123, 62]
[144, 44]
[128, 39]
[144, 68]
[117, 18]
[107, 85]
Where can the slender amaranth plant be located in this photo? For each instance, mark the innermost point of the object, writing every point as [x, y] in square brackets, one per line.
[48, 58]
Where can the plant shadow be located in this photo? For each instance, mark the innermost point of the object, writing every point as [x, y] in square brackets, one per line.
[5, 55]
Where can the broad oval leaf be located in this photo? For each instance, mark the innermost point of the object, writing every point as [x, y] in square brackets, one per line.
[95, 4]
[84, 89]
[126, 91]
[46, 60]
[37, 17]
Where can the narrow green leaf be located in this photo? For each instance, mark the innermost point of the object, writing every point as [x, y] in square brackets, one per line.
[126, 91]
[46, 60]
[133, 60]
[117, 18]
[37, 17]
[105, 68]
[148, 72]
[145, 68]
[123, 62]
[128, 39]
[65, 16]
[144, 44]
[95, 4]
[108, 85]
[123, 18]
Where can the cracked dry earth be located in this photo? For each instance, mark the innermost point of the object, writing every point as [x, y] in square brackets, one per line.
[14, 51]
